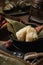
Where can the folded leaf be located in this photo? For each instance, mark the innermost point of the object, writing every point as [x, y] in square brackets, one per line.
[14, 26]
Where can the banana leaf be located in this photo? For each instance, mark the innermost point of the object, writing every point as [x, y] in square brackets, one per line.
[41, 34]
[14, 26]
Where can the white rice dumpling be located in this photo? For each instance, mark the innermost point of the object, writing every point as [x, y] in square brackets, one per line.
[27, 34]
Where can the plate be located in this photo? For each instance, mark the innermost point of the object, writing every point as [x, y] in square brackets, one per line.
[16, 13]
[7, 59]
[36, 20]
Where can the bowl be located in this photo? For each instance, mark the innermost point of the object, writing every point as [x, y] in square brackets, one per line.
[35, 46]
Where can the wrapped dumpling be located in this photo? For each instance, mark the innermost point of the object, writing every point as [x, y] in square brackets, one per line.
[27, 34]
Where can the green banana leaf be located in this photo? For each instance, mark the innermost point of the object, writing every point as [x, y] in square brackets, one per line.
[41, 34]
[14, 26]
